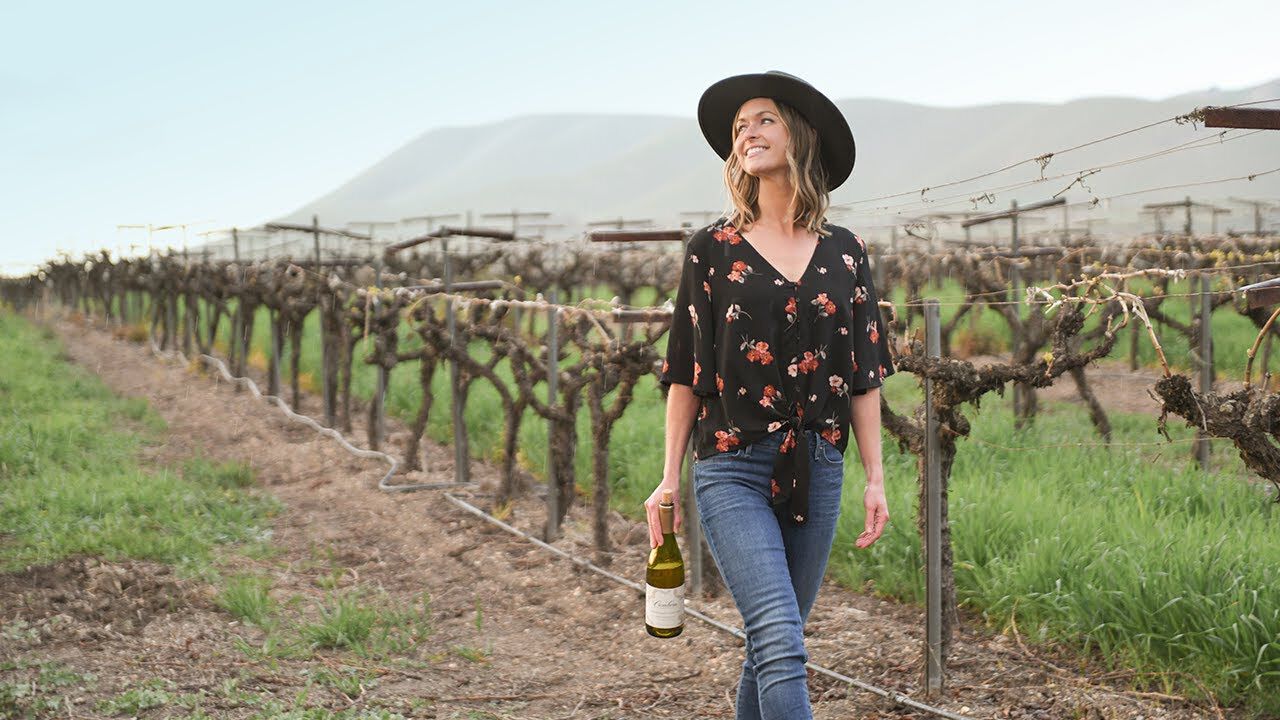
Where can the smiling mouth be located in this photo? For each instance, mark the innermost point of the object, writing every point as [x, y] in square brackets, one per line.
[754, 151]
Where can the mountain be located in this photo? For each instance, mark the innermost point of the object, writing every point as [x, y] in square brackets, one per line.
[592, 167]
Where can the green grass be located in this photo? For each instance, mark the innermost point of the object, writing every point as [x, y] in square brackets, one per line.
[344, 622]
[229, 475]
[471, 654]
[1133, 553]
[370, 626]
[71, 480]
[247, 597]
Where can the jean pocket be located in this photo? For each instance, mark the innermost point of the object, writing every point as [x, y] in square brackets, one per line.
[828, 453]
[736, 452]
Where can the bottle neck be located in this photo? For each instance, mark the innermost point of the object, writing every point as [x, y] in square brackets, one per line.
[666, 518]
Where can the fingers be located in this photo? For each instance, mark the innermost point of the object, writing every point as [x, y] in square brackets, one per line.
[655, 524]
[655, 529]
[877, 519]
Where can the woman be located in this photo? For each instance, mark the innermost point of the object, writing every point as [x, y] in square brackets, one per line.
[775, 350]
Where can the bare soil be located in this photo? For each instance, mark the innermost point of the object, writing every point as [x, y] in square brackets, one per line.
[515, 633]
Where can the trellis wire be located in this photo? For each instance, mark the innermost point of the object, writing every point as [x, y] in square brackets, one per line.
[891, 695]
[383, 483]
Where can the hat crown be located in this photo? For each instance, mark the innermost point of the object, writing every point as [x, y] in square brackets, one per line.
[789, 76]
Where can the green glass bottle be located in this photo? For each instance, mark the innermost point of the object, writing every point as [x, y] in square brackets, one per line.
[664, 578]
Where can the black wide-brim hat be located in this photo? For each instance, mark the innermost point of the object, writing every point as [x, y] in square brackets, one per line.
[719, 105]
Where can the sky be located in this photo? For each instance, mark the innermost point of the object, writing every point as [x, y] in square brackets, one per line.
[233, 113]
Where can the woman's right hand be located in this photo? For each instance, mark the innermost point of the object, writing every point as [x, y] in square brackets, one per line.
[651, 511]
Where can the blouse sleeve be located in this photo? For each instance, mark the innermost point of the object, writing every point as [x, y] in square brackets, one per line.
[690, 356]
[870, 339]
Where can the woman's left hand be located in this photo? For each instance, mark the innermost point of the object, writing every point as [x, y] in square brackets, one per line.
[877, 515]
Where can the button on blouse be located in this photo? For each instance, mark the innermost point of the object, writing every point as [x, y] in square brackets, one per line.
[763, 353]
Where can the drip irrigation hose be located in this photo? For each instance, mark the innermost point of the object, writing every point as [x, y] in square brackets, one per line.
[384, 484]
[896, 697]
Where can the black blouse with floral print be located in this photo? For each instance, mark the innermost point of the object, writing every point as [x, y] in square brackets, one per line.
[764, 353]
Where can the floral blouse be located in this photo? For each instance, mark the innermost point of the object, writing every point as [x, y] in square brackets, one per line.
[764, 353]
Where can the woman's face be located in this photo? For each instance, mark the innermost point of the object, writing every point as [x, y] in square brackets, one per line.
[761, 139]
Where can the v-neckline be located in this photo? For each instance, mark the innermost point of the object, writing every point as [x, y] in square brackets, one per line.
[775, 270]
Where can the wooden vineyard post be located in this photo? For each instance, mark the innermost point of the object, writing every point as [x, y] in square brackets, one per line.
[933, 669]
[692, 525]
[461, 453]
[1203, 448]
[553, 377]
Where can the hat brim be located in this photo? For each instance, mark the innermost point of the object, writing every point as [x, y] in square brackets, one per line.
[720, 103]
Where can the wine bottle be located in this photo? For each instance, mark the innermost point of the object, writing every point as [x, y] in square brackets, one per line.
[664, 578]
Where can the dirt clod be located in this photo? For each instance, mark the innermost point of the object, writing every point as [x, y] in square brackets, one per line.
[91, 597]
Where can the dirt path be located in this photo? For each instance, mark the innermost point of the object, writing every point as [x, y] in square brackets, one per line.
[516, 633]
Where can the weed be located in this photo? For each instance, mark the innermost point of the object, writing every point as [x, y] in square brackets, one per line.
[370, 626]
[332, 579]
[475, 655]
[54, 675]
[275, 645]
[20, 631]
[343, 623]
[400, 628]
[349, 682]
[134, 700]
[248, 598]
[20, 700]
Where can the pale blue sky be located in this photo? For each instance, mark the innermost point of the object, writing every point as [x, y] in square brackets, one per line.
[236, 112]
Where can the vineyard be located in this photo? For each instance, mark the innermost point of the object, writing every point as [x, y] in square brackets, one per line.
[358, 348]
[1138, 537]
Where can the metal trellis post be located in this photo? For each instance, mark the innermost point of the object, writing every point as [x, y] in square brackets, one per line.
[553, 377]
[1203, 447]
[933, 670]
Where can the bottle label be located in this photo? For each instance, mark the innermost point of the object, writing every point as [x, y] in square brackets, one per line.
[663, 607]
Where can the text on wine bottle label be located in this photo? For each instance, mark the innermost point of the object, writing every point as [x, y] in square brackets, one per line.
[663, 607]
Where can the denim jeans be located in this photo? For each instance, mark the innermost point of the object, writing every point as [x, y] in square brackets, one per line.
[772, 567]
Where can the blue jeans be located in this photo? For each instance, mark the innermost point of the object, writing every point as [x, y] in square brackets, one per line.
[772, 567]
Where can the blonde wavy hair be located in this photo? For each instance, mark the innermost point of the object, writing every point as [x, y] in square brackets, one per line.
[808, 177]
